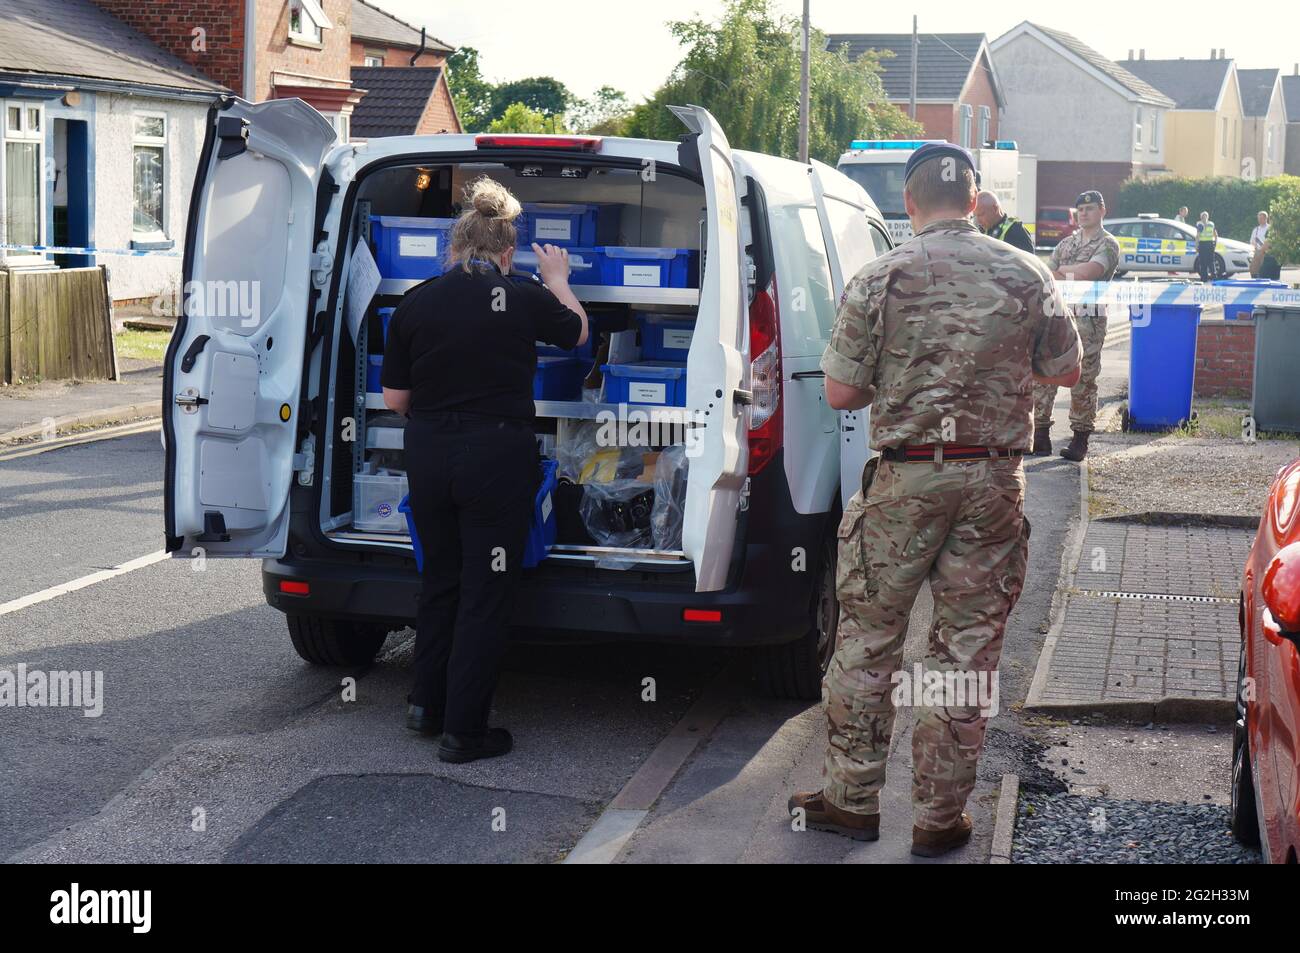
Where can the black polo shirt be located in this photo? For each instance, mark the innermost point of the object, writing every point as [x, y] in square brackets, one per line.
[465, 342]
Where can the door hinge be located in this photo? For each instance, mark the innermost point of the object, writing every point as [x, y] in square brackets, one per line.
[322, 263]
[189, 401]
[744, 496]
[304, 462]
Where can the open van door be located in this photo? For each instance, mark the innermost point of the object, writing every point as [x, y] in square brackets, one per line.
[717, 446]
[846, 230]
[234, 365]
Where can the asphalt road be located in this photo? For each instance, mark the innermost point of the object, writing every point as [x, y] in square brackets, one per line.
[216, 742]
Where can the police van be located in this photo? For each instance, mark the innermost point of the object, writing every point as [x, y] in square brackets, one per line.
[1149, 243]
[269, 425]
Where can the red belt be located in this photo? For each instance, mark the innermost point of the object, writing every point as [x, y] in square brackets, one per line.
[939, 452]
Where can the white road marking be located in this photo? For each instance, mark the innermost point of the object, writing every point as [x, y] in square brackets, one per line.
[45, 595]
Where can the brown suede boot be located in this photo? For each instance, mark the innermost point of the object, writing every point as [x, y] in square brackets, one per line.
[1042, 442]
[1078, 448]
[822, 815]
[937, 843]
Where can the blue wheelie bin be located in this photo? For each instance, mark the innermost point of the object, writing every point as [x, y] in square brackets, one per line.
[1162, 365]
[1244, 304]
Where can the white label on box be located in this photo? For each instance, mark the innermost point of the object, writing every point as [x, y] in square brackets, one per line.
[641, 276]
[557, 229]
[677, 338]
[640, 392]
[546, 507]
[417, 246]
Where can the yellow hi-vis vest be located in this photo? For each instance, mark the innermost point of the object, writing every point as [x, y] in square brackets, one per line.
[1205, 232]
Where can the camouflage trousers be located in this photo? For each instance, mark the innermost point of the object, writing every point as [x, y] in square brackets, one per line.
[1083, 395]
[962, 526]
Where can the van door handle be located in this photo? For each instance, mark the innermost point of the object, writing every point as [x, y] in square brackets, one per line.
[742, 397]
[192, 352]
[804, 375]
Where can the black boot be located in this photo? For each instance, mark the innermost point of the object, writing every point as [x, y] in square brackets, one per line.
[461, 748]
[422, 720]
[1042, 441]
[1078, 448]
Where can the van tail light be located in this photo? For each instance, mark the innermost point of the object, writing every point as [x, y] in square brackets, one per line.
[518, 141]
[294, 588]
[765, 417]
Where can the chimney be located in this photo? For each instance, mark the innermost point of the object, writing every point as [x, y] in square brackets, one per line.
[1221, 56]
[1211, 52]
[1142, 54]
[1130, 54]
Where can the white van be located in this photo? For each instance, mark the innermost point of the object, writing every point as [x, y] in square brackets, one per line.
[266, 421]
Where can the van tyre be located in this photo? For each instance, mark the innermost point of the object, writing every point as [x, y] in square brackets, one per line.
[1242, 817]
[324, 641]
[794, 670]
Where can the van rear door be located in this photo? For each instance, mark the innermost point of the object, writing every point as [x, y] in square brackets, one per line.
[717, 444]
[234, 365]
[842, 206]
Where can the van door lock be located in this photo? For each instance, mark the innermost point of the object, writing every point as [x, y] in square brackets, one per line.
[189, 400]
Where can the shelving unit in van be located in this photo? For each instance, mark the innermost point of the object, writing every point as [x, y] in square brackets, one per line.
[592, 294]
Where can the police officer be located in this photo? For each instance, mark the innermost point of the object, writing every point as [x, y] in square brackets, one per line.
[993, 221]
[943, 337]
[1088, 254]
[459, 362]
[1207, 238]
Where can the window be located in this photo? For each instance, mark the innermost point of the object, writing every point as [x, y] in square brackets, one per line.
[1236, 140]
[986, 124]
[1137, 129]
[342, 123]
[24, 144]
[803, 275]
[1268, 142]
[148, 177]
[374, 59]
[852, 235]
[1223, 149]
[1154, 137]
[967, 117]
[307, 21]
[880, 240]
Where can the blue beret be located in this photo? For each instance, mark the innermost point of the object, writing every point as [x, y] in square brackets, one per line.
[933, 150]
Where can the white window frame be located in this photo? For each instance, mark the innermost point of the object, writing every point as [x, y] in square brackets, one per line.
[1154, 131]
[967, 120]
[986, 124]
[25, 133]
[342, 123]
[373, 59]
[312, 21]
[1137, 128]
[152, 142]
[1223, 147]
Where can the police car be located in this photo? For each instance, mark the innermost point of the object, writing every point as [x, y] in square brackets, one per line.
[1148, 243]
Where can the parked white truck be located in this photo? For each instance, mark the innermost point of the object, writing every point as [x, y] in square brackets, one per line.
[877, 165]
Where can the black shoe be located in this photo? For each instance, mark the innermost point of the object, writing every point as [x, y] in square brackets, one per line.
[1042, 442]
[422, 720]
[1078, 448]
[459, 749]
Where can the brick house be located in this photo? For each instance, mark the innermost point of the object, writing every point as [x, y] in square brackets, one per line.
[1263, 130]
[958, 96]
[1291, 101]
[403, 71]
[1092, 123]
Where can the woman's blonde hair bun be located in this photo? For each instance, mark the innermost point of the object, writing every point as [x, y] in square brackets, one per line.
[491, 199]
[486, 227]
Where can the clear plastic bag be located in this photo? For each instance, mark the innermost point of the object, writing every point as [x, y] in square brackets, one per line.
[670, 498]
[585, 458]
[618, 513]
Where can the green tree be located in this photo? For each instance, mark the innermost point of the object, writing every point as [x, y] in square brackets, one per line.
[1284, 222]
[606, 113]
[519, 118]
[543, 94]
[745, 70]
[471, 93]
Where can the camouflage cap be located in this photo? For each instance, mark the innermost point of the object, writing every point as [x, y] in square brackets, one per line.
[1091, 196]
[933, 150]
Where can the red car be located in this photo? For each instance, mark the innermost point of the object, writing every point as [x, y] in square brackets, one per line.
[1266, 737]
[1054, 223]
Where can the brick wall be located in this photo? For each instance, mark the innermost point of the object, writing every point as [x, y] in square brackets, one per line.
[331, 60]
[1225, 357]
[438, 115]
[171, 24]
[394, 55]
[1059, 183]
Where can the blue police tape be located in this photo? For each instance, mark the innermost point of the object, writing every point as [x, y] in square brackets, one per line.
[71, 250]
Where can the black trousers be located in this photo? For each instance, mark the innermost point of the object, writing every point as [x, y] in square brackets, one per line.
[472, 485]
[1205, 260]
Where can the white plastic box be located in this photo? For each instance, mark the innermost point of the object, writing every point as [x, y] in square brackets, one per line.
[374, 503]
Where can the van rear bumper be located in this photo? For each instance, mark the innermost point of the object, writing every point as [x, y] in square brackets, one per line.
[566, 604]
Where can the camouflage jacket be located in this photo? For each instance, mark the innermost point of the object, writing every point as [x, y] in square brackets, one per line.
[1073, 250]
[948, 329]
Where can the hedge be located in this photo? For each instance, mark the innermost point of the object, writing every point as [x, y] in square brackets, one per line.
[1233, 204]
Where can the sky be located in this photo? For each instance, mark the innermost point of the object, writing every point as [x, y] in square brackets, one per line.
[626, 43]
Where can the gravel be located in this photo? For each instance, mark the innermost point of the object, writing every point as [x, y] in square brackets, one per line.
[1069, 829]
[1150, 473]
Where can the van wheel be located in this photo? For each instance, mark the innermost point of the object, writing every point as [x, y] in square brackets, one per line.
[324, 641]
[1242, 818]
[794, 670]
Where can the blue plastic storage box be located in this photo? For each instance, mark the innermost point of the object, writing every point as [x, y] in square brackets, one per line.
[1245, 304]
[559, 377]
[385, 316]
[374, 372]
[584, 264]
[625, 266]
[665, 337]
[541, 529]
[408, 247]
[646, 382]
[570, 225]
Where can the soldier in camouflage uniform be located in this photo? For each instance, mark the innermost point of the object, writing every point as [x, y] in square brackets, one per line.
[1089, 254]
[943, 336]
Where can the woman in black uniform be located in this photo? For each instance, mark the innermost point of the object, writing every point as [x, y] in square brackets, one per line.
[459, 362]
